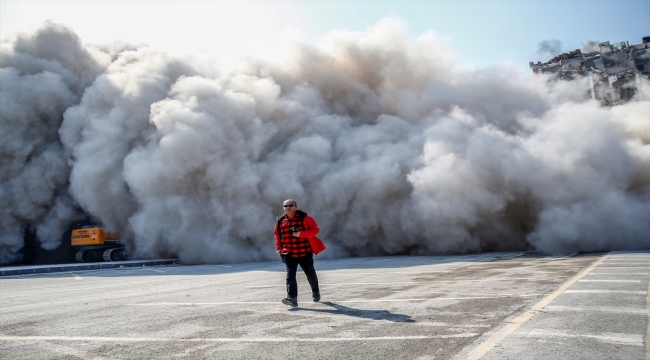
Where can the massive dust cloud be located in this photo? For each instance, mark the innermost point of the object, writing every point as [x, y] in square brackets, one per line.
[391, 146]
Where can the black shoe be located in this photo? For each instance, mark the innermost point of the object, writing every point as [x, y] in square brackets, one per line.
[290, 301]
[316, 297]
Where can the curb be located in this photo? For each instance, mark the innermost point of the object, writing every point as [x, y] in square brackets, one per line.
[44, 269]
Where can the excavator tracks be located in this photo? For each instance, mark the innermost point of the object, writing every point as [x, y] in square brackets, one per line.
[99, 255]
[115, 254]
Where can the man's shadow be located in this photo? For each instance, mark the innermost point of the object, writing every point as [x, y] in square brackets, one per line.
[364, 314]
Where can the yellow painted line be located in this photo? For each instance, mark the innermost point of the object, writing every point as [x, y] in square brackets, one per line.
[76, 277]
[254, 340]
[498, 336]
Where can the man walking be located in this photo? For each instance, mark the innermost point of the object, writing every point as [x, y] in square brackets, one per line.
[296, 242]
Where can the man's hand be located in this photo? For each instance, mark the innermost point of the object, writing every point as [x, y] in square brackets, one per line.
[279, 252]
[296, 234]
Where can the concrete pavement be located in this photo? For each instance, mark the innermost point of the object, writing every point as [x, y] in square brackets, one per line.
[486, 306]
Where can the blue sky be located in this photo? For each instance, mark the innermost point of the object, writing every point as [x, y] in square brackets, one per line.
[481, 33]
[484, 32]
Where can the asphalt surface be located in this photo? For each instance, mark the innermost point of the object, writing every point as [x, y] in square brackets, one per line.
[488, 306]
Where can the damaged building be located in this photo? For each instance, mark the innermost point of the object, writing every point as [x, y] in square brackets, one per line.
[615, 70]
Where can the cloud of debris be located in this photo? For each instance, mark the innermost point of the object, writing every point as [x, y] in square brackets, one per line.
[390, 146]
[41, 75]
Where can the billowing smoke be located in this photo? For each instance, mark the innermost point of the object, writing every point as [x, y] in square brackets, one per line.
[590, 46]
[548, 49]
[390, 146]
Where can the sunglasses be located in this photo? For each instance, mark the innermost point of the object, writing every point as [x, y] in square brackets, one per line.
[289, 205]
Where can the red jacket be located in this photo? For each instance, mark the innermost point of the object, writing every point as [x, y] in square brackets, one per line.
[306, 244]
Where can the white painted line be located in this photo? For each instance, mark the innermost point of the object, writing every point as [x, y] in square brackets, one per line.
[76, 277]
[501, 334]
[433, 299]
[359, 273]
[444, 324]
[627, 263]
[562, 256]
[647, 338]
[618, 273]
[336, 301]
[624, 267]
[604, 292]
[205, 303]
[508, 279]
[600, 309]
[342, 284]
[378, 300]
[159, 271]
[628, 253]
[232, 340]
[613, 280]
[557, 266]
[407, 282]
[629, 256]
[464, 294]
[423, 272]
[609, 338]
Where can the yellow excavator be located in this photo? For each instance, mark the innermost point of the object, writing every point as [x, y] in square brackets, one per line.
[95, 244]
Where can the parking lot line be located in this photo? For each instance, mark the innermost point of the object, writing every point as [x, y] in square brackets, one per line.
[612, 280]
[610, 338]
[253, 340]
[617, 273]
[604, 292]
[334, 301]
[76, 277]
[600, 309]
[501, 334]
[407, 282]
[647, 338]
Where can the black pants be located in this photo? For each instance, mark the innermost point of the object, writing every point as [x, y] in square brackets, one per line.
[307, 265]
